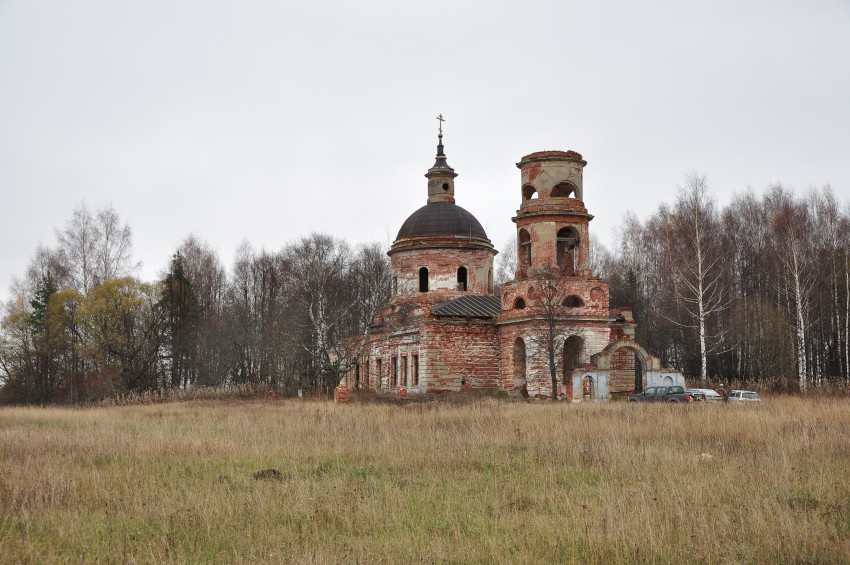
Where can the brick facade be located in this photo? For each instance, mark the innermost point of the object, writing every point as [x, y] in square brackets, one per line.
[442, 254]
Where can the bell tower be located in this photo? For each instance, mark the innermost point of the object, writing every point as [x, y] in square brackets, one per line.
[552, 222]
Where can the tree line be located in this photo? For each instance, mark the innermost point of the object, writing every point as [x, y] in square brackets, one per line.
[754, 291]
[81, 327]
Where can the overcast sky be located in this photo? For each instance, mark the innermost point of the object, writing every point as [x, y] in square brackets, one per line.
[265, 121]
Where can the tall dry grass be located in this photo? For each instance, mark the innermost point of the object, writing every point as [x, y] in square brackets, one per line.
[480, 482]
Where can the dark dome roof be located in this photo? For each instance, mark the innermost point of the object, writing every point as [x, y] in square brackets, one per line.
[441, 218]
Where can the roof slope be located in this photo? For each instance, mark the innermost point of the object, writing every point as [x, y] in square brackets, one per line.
[471, 306]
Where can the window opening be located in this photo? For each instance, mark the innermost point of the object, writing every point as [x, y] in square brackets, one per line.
[414, 370]
[563, 190]
[519, 304]
[461, 278]
[573, 302]
[566, 250]
[403, 370]
[524, 249]
[423, 279]
[529, 192]
[394, 380]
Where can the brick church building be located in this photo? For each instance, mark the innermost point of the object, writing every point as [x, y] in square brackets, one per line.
[446, 330]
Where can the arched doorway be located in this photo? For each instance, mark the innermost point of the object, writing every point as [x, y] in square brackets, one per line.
[573, 347]
[626, 364]
[628, 371]
[520, 367]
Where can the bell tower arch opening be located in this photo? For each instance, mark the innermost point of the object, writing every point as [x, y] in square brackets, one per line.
[528, 192]
[564, 189]
[567, 250]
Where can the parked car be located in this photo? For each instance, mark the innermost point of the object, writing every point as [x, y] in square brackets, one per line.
[662, 394]
[743, 396]
[707, 394]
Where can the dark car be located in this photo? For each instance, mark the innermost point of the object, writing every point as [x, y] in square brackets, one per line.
[662, 394]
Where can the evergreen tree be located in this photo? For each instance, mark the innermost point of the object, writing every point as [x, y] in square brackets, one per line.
[180, 307]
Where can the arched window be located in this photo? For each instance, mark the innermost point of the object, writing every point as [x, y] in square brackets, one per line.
[519, 304]
[423, 279]
[563, 189]
[461, 278]
[524, 251]
[573, 302]
[519, 366]
[529, 192]
[567, 246]
[572, 356]
[490, 280]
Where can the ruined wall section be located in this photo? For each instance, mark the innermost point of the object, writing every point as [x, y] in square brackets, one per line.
[593, 293]
[459, 355]
[595, 336]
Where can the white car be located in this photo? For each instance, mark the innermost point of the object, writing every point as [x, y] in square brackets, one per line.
[710, 395]
[743, 396]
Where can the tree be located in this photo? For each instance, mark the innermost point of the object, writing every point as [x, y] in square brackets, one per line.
[338, 292]
[549, 306]
[42, 342]
[695, 258]
[204, 272]
[123, 333]
[95, 248]
[17, 353]
[507, 263]
[180, 308]
[792, 229]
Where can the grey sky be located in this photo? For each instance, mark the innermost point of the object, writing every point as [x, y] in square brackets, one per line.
[264, 121]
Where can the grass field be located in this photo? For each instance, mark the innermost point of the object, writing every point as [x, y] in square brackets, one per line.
[481, 481]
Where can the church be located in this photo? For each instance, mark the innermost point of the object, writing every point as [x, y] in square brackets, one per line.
[447, 330]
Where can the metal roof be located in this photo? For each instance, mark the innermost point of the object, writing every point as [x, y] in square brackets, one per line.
[472, 306]
[441, 218]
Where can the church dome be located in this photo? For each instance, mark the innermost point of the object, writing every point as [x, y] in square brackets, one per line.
[441, 218]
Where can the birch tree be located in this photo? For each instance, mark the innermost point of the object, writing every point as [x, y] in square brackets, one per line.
[792, 230]
[697, 263]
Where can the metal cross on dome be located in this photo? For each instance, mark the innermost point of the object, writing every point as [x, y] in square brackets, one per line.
[441, 119]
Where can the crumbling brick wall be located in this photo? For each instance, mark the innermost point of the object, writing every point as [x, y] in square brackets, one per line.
[459, 355]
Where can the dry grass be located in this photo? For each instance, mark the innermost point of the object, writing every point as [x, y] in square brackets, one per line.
[486, 481]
